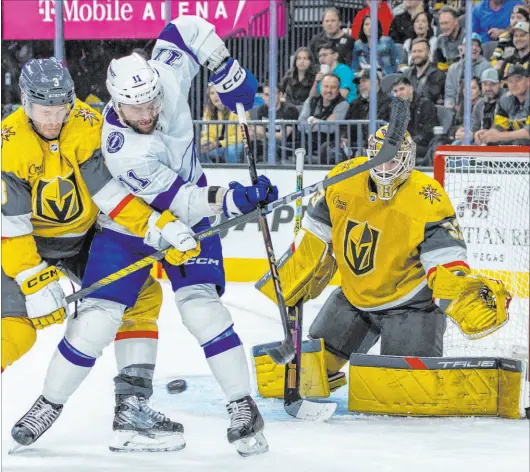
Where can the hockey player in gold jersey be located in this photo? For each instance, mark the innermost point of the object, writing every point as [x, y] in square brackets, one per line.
[54, 183]
[398, 246]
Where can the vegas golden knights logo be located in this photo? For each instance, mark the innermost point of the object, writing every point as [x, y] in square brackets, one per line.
[59, 200]
[360, 244]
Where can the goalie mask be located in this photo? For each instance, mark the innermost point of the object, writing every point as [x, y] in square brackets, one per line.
[390, 175]
[136, 92]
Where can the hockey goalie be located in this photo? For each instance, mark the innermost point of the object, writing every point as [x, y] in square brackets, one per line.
[403, 266]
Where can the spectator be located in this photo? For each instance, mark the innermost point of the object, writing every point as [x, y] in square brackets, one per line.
[329, 106]
[401, 28]
[328, 57]
[457, 130]
[428, 81]
[359, 109]
[384, 15]
[456, 72]
[299, 79]
[521, 49]
[220, 143]
[284, 134]
[423, 116]
[451, 37]
[387, 53]
[505, 47]
[491, 17]
[333, 34]
[421, 28]
[484, 110]
[88, 74]
[512, 118]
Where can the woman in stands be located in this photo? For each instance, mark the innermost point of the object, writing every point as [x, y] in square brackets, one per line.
[299, 79]
[387, 52]
[458, 120]
[422, 28]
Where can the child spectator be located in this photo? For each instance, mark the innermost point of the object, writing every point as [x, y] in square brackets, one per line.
[220, 143]
[387, 53]
[299, 79]
[332, 33]
[422, 28]
[384, 15]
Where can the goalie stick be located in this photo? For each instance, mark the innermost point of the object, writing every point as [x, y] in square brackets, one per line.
[293, 403]
[283, 353]
[399, 117]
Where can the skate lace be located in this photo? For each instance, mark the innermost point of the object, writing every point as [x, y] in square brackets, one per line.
[240, 414]
[41, 416]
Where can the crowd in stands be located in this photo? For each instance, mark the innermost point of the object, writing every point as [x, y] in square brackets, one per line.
[420, 58]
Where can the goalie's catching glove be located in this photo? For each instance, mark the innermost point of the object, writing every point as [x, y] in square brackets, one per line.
[45, 300]
[166, 231]
[479, 304]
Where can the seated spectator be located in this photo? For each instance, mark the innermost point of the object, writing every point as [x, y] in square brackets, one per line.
[455, 74]
[299, 79]
[423, 116]
[421, 28]
[451, 37]
[359, 109]
[384, 15]
[328, 58]
[484, 111]
[333, 34]
[491, 17]
[327, 107]
[284, 134]
[387, 53]
[457, 128]
[521, 50]
[401, 27]
[220, 143]
[512, 118]
[428, 81]
[505, 47]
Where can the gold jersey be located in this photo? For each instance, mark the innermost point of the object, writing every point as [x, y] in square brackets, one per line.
[386, 249]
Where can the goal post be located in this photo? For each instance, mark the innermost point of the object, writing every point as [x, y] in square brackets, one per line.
[489, 187]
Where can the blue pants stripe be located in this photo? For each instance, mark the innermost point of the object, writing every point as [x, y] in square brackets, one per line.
[227, 340]
[76, 357]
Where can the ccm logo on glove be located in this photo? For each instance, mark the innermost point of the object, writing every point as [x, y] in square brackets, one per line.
[51, 273]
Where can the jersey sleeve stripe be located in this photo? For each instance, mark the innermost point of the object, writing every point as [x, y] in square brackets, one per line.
[172, 35]
[164, 199]
[114, 213]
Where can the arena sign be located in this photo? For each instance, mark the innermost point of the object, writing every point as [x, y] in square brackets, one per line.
[125, 19]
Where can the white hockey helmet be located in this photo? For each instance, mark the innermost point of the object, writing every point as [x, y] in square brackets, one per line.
[132, 81]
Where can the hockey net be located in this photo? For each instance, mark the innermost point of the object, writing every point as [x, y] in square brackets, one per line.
[489, 188]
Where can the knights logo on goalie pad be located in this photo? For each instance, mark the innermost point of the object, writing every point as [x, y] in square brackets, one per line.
[360, 245]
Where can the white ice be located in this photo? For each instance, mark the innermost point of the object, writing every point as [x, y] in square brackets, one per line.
[78, 441]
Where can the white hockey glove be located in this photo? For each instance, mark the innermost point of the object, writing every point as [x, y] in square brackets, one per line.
[45, 299]
[164, 231]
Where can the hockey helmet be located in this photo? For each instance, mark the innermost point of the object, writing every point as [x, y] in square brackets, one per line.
[132, 81]
[48, 83]
[389, 176]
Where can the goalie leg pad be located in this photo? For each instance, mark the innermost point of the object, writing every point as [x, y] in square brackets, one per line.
[436, 386]
[343, 327]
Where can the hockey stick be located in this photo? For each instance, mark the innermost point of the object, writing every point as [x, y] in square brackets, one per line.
[293, 403]
[399, 118]
[285, 351]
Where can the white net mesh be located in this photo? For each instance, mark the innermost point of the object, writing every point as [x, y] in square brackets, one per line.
[490, 192]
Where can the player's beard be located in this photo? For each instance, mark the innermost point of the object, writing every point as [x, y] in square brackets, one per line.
[133, 125]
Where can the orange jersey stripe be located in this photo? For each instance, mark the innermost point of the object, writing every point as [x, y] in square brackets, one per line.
[114, 213]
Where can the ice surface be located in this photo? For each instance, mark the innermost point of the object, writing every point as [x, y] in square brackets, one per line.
[78, 441]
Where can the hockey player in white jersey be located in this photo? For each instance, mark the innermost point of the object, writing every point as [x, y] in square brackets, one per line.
[148, 144]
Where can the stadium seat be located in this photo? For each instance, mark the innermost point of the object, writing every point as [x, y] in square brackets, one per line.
[445, 117]
[488, 48]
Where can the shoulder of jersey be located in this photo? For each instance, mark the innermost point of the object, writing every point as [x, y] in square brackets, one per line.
[347, 165]
[428, 196]
[18, 140]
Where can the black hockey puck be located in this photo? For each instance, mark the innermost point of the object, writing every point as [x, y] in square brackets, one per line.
[177, 386]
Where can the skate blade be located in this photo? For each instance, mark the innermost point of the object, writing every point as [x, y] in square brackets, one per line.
[15, 447]
[134, 441]
[252, 445]
[311, 411]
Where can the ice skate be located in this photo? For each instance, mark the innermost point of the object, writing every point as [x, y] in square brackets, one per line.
[139, 428]
[35, 423]
[246, 427]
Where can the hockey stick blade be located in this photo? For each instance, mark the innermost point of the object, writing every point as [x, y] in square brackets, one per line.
[310, 410]
[283, 353]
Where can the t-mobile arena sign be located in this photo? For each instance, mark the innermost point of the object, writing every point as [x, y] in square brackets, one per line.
[128, 19]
